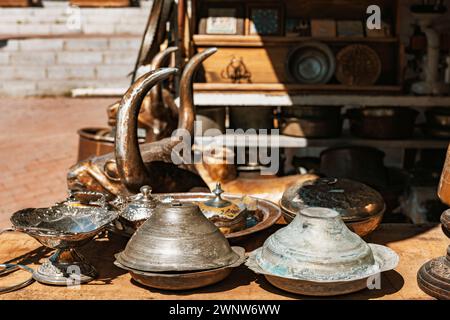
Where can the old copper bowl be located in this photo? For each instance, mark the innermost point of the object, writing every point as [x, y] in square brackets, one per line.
[318, 255]
[360, 206]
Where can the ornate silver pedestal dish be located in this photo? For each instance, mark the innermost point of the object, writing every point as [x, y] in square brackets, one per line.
[317, 255]
[65, 227]
[179, 248]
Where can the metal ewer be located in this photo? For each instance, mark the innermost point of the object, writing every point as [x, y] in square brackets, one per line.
[318, 255]
[65, 227]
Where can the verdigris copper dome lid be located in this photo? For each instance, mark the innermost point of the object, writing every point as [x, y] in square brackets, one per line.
[177, 237]
[317, 246]
[353, 200]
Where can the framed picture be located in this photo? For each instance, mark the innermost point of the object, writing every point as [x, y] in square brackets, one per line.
[384, 32]
[222, 19]
[323, 28]
[265, 19]
[295, 27]
[350, 28]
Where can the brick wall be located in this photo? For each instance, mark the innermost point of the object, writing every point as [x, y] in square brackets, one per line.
[99, 54]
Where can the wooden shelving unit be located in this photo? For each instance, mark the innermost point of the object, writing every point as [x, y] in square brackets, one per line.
[295, 142]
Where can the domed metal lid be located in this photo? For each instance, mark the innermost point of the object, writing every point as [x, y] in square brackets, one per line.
[177, 237]
[140, 206]
[353, 200]
[318, 246]
[217, 206]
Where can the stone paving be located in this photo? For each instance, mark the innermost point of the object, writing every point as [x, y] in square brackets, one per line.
[38, 143]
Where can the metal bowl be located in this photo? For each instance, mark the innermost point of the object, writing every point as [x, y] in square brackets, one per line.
[185, 280]
[318, 255]
[177, 238]
[65, 226]
[311, 63]
[360, 206]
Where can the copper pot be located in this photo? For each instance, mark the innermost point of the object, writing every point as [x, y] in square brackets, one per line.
[364, 164]
[382, 122]
[251, 118]
[96, 142]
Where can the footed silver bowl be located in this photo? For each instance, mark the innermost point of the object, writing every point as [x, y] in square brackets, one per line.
[65, 226]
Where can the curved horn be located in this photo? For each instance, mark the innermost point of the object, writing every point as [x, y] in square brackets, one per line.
[187, 109]
[130, 165]
[156, 95]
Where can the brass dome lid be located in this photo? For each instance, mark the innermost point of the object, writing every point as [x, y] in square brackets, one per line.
[221, 208]
[353, 200]
[177, 237]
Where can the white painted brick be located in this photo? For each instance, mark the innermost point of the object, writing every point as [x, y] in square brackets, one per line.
[18, 88]
[120, 57]
[126, 28]
[41, 45]
[70, 73]
[22, 73]
[80, 57]
[119, 43]
[113, 72]
[40, 29]
[4, 57]
[9, 45]
[62, 29]
[34, 58]
[97, 29]
[86, 44]
[8, 28]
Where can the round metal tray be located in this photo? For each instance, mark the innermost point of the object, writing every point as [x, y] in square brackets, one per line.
[266, 214]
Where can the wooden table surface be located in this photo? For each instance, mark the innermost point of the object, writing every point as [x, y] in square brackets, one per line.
[415, 245]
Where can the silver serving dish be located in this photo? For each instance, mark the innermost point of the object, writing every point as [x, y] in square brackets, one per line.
[64, 227]
[316, 254]
[184, 280]
[311, 63]
[177, 238]
[179, 248]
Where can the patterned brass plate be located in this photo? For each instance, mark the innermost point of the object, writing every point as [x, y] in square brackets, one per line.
[358, 65]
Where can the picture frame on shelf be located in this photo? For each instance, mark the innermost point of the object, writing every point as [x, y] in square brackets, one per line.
[323, 28]
[384, 32]
[296, 27]
[265, 19]
[222, 19]
[350, 28]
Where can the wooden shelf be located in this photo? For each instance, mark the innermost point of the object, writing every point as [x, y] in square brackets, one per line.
[260, 41]
[286, 100]
[284, 88]
[296, 142]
